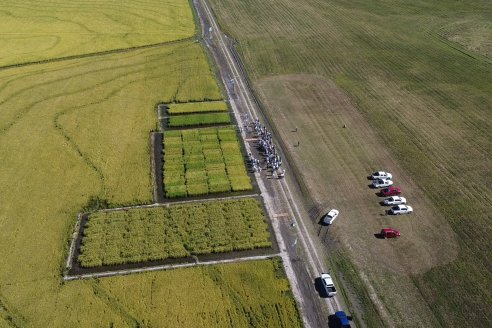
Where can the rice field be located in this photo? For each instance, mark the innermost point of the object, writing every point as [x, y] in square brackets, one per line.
[180, 230]
[75, 132]
[71, 131]
[202, 161]
[418, 73]
[40, 30]
[252, 294]
[198, 107]
[199, 119]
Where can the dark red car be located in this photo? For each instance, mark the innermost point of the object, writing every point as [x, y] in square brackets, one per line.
[389, 233]
[391, 191]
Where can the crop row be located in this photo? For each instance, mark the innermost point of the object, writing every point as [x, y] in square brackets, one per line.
[197, 107]
[176, 231]
[199, 119]
[202, 161]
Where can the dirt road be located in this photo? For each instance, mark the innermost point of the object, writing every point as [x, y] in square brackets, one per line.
[302, 260]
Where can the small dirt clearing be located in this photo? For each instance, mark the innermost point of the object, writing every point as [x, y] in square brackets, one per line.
[334, 162]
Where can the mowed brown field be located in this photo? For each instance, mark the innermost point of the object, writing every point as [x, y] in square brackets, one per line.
[333, 163]
[415, 104]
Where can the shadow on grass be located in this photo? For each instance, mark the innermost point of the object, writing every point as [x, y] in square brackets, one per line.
[318, 285]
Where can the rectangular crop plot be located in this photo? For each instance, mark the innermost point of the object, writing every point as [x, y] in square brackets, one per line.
[199, 119]
[176, 231]
[198, 107]
[203, 161]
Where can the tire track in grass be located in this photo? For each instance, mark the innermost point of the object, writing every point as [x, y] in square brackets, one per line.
[12, 320]
[96, 54]
[66, 135]
[29, 107]
[114, 305]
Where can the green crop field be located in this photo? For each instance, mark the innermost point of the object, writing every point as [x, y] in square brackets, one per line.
[201, 161]
[198, 107]
[39, 30]
[175, 231]
[411, 82]
[199, 119]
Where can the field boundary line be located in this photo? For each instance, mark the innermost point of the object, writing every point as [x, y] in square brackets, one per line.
[97, 54]
[125, 208]
[167, 267]
[152, 167]
[75, 235]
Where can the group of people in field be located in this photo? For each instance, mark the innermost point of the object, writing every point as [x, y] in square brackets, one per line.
[266, 148]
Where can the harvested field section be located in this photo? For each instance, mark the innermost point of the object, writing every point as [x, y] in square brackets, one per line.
[69, 131]
[342, 158]
[426, 101]
[180, 230]
[202, 161]
[199, 119]
[40, 30]
[198, 107]
[253, 294]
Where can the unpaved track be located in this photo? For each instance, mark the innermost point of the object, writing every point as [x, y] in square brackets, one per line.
[166, 267]
[279, 198]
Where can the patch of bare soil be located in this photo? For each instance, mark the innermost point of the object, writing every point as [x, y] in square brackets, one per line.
[335, 150]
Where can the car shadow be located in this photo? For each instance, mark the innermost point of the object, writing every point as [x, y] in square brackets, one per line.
[379, 235]
[333, 322]
[379, 194]
[382, 203]
[318, 285]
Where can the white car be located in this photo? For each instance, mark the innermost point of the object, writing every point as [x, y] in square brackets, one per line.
[328, 285]
[381, 175]
[330, 216]
[395, 200]
[400, 209]
[382, 183]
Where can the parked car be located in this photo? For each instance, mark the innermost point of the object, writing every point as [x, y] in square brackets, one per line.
[381, 175]
[330, 216]
[395, 200]
[389, 233]
[328, 285]
[400, 209]
[380, 183]
[391, 191]
[343, 320]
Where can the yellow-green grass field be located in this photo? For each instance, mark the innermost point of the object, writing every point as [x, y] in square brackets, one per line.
[198, 107]
[39, 30]
[72, 130]
[174, 231]
[427, 102]
[252, 294]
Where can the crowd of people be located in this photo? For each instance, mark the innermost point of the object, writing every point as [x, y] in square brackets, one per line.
[266, 148]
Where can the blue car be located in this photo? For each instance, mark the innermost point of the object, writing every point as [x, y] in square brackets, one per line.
[343, 320]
